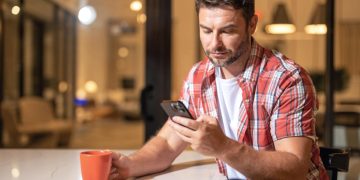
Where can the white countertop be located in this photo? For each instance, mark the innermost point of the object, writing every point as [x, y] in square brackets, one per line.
[44, 164]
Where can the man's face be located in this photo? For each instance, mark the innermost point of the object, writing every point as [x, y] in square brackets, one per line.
[224, 34]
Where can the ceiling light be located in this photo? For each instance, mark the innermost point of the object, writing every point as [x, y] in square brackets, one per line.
[281, 23]
[136, 5]
[280, 28]
[87, 15]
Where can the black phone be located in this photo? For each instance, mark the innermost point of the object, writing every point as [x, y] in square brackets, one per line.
[175, 108]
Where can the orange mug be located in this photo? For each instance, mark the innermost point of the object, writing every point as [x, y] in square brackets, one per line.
[95, 165]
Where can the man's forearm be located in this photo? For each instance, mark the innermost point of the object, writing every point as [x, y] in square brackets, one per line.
[263, 164]
[157, 154]
[151, 158]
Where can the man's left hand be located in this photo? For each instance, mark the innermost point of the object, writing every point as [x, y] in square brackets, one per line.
[204, 134]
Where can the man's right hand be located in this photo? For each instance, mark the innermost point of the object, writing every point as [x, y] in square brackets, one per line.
[120, 166]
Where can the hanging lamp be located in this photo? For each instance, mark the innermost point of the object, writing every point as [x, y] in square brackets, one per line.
[317, 24]
[281, 23]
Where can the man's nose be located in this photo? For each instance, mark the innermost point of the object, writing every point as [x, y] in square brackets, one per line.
[216, 41]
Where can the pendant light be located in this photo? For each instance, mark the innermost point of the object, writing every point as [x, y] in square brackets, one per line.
[317, 23]
[281, 23]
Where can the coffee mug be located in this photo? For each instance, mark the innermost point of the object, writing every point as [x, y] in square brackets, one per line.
[95, 165]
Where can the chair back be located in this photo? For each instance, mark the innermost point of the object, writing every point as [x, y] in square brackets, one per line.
[335, 160]
[10, 120]
[35, 110]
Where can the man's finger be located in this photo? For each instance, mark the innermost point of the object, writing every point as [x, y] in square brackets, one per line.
[116, 160]
[182, 129]
[113, 170]
[115, 156]
[189, 123]
[114, 176]
[184, 138]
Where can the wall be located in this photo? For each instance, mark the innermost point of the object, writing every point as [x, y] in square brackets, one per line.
[184, 43]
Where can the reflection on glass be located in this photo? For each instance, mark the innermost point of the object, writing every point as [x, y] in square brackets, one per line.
[15, 172]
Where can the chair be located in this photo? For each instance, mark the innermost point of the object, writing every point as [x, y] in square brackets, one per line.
[19, 135]
[335, 160]
[37, 115]
[30, 122]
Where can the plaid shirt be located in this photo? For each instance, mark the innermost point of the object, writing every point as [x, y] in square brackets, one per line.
[279, 101]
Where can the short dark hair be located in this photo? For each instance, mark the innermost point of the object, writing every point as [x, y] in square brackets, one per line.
[248, 6]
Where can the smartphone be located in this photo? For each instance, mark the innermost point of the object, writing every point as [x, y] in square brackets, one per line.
[175, 108]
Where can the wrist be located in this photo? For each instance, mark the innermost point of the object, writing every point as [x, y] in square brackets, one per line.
[224, 148]
[130, 171]
[229, 149]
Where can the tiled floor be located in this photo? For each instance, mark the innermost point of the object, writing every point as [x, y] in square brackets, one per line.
[120, 134]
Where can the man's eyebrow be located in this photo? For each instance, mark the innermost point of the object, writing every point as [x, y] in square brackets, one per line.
[230, 26]
[202, 26]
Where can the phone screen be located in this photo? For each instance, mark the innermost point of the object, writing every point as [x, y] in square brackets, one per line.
[175, 108]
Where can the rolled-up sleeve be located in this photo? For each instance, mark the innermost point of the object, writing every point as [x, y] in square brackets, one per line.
[294, 111]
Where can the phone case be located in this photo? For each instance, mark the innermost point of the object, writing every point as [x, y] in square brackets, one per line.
[175, 108]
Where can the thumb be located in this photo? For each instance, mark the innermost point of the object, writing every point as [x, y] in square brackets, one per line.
[120, 161]
[213, 121]
[115, 156]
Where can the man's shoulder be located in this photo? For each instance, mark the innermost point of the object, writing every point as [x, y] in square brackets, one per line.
[278, 63]
[200, 69]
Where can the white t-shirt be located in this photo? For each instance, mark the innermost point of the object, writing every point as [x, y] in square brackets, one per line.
[230, 98]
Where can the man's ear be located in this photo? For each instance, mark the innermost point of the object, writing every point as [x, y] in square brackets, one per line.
[253, 23]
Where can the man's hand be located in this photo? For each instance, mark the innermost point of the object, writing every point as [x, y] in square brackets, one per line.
[119, 167]
[204, 134]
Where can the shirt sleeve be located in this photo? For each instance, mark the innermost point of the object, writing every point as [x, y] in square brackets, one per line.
[294, 111]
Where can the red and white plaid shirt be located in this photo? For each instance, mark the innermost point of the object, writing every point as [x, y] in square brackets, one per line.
[279, 101]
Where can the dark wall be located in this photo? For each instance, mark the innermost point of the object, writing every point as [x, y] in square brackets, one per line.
[1, 67]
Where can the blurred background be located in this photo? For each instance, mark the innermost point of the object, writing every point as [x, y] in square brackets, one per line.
[91, 73]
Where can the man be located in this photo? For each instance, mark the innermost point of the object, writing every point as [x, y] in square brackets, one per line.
[254, 108]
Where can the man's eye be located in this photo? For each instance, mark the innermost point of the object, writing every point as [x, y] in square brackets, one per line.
[206, 31]
[228, 31]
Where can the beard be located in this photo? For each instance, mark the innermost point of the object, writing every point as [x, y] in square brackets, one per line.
[233, 55]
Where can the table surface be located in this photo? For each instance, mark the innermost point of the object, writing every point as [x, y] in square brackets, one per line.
[44, 164]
